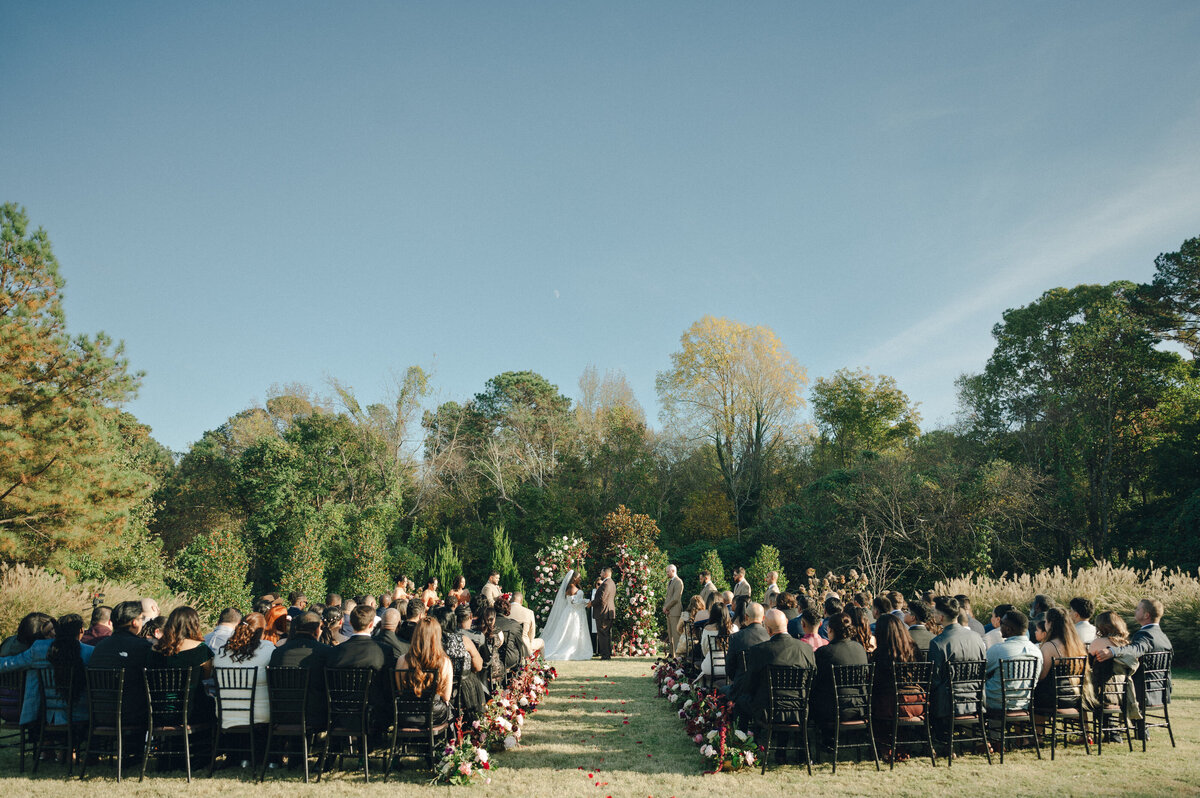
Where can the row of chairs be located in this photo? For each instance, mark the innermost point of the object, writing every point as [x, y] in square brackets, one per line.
[170, 717]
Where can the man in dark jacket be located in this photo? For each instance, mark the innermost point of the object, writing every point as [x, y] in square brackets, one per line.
[956, 643]
[392, 646]
[303, 650]
[749, 690]
[361, 651]
[514, 649]
[749, 636]
[124, 650]
[1149, 637]
[915, 617]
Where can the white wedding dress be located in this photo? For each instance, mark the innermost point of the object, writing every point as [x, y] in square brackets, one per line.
[566, 630]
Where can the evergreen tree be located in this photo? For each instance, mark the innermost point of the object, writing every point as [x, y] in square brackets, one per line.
[367, 571]
[304, 570]
[765, 561]
[212, 571]
[445, 565]
[711, 561]
[502, 561]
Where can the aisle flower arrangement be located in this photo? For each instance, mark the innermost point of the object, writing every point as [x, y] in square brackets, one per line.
[707, 717]
[499, 729]
[636, 600]
[561, 553]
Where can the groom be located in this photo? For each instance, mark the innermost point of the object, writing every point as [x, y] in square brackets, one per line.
[604, 610]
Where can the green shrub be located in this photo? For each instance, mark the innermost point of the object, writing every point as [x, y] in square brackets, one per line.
[213, 569]
[765, 561]
[502, 561]
[444, 564]
[304, 569]
[710, 561]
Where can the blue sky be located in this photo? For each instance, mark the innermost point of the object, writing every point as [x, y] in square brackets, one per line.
[249, 194]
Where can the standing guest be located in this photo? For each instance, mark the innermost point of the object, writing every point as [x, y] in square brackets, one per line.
[303, 650]
[490, 590]
[740, 586]
[125, 650]
[273, 615]
[458, 590]
[716, 634]
[995, 635]
[694, 607]
[150, 610]
[916, 616]
[1014, 643]
[63, 652]
[227, 621]
[809, 623]
[1061, 641]
[182, 646]
[34, 626]
[956, 643]
[393, 647]
[100, 627]
[749, 690]
[895, 646]
[751, 634]
[862, 629]
[1080, 612]
[673, 606]
[707, 588]
[843, 649]
[964, 605]
[772, 591]
[247, 648]
[401, 590]
[426, 669]
[298, 603]
[786, 603]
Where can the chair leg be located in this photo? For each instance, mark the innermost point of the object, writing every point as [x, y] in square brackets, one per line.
[1167, 718]
[766, 754]
[1003, 737]
[1036, 743]
[807, 749]
[1054, 733]
[304, 750]
[146, 754]
[87, 752]
[216, 746]
[187, 753]
[837, 733]
[324, 754]
[871, 735]
[120, 751]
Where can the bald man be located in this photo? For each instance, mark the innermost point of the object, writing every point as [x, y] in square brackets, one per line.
[749, 690]
[750, 635]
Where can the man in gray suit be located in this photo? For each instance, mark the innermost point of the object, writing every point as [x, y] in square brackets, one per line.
[956, 643]
[673, 605]
[604, 609]
[740, 586]
[1149, 637]
[707, 588]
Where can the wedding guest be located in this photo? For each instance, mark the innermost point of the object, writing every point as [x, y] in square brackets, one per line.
[458, 590]
[749, 690]
[995, 635]
[862, 630]
[491, 590]
[843, 649]
[491, 649]
[1061, 641]
[466, 662]
[1149, 637]
[62, 651]
[1111, 632]
[738, 609]
[740, 586]
[150, 610]
[152, 629]
[700, 619]
[690, 615]
[964, 605]
[297, 603]
[956, 643]
[727, 598]
[524, 616]
[1080, 612]
[860, 600]
[360, 651]
[271, 630]
[412, 615]
[462, 614]
[227, 621]
[916, 617]
[833, 606]
[333, 600]
[34, 626]
[898, 603]
[751, 634]
[125, 650]
[716, 632]
[786, 603]
[1013, 628]
[1037, 611]
[247, 647]
[303, 650]
[895, 646]
[331, 625]
[100, 626]
[513, 648]
[182, 646]
[809, 624]
[426, 669]
[387, 640]
[880, 605]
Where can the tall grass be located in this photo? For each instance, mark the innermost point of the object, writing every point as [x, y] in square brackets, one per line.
[1111, 588]
[25, 589]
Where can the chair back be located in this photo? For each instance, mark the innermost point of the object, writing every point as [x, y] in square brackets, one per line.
[719, 648]
[788, 689]
[1068, 674]
[287, 693]
[852, 690]
[235, 688]
[168, 696]
[967, 679]
[1018, 677]
[12, 696]
[408, 706]
[912, 682]
[57, 698]
[105, 692]
[348, 693]
[1156, 671]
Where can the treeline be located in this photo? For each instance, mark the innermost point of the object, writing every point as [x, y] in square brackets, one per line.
[1078, 441]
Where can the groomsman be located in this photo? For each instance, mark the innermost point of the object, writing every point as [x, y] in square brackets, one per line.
[491, 590]
[707, 588]
[772, 590]
[740, 586]
[673, 605]
[606, 614]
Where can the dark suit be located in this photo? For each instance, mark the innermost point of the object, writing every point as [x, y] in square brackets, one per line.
[955, 644]
[361, 651]
[512, 651]
[749, 690]
[823, 702]
[123, 650]
[743, 641]
[605, 618]
[303, 651]
[393, 647]
[921, 637]
[1149, 638]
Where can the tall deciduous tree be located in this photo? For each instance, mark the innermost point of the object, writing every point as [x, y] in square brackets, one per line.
[738, 388]
[856, 413]
[65, 484]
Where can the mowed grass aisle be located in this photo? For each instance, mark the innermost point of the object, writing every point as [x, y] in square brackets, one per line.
[602, 732]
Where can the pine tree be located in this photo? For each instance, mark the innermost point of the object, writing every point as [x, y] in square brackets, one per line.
[445, 564]
[765, 561]
[711, 561]
[304, 571]
[502, 561]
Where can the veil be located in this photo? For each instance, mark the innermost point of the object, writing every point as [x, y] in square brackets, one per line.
[558, 611]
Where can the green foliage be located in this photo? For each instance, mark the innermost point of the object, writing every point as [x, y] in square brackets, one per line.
[366, 547]
[766, 560]
[212, 569]
[622, 527]
[710, 561]
[857, 413]
[444, 564]
[502, 561]
[1170, 303]
[304, 570]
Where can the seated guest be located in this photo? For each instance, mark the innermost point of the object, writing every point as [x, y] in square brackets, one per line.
[832, 606]
[333, 600]
[860, 600]
[272, 615]
[899, 605]
[716, 633]
[688, 616]
[771, 594]
[152, 629]
[786, 603]
[100, 627]
[1111, 632]
[125, 650]
[964, 605]
[63, 652]
[34, 626]
[513, 648]
[466, 661]
[880, 605]
[429, 596]
[297, 603]
[995, 635]
[727, 598]
[1037, 611]
[304, 650]
[809, 623]
[751, 634]
[1060, 641]
[227, 621]
[466, 624]
[360, 651]
[862, 629]
[247, 648]
[150, 610]
[392, 646]
[413, 613]
[738, 609]
[331, 625]
[459, 591]
[426, 670]
[749, 690]
[1080, 612]
[843, 649]
[491, 648]
[182, 646]
[1149, 637]
[956, 643]
[894, 646]
[916, 617]
[700, 619]
[1014, 643]
[524, 616]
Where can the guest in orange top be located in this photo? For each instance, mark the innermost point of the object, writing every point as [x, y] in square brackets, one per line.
[459, 590]
[430, 595]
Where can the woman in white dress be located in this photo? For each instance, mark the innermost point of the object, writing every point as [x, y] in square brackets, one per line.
[715, 639]
[566, 630]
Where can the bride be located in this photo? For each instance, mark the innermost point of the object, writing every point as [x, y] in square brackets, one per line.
[566, 630]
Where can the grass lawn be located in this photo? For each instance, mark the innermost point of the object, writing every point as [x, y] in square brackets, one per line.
[579, 743]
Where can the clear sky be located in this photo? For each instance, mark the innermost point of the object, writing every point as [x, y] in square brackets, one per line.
[258, 193]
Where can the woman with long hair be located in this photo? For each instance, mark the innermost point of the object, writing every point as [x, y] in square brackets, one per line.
[1111, 632]
[843, 649]
[715, 637]
[331, 626]
[695, 606]
[458, 589]
[1060, 641]
[247, 647]
[426, 670]
[862, 627]
[182, 646]
[57, 648]
[271, 623]
[894, 646]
